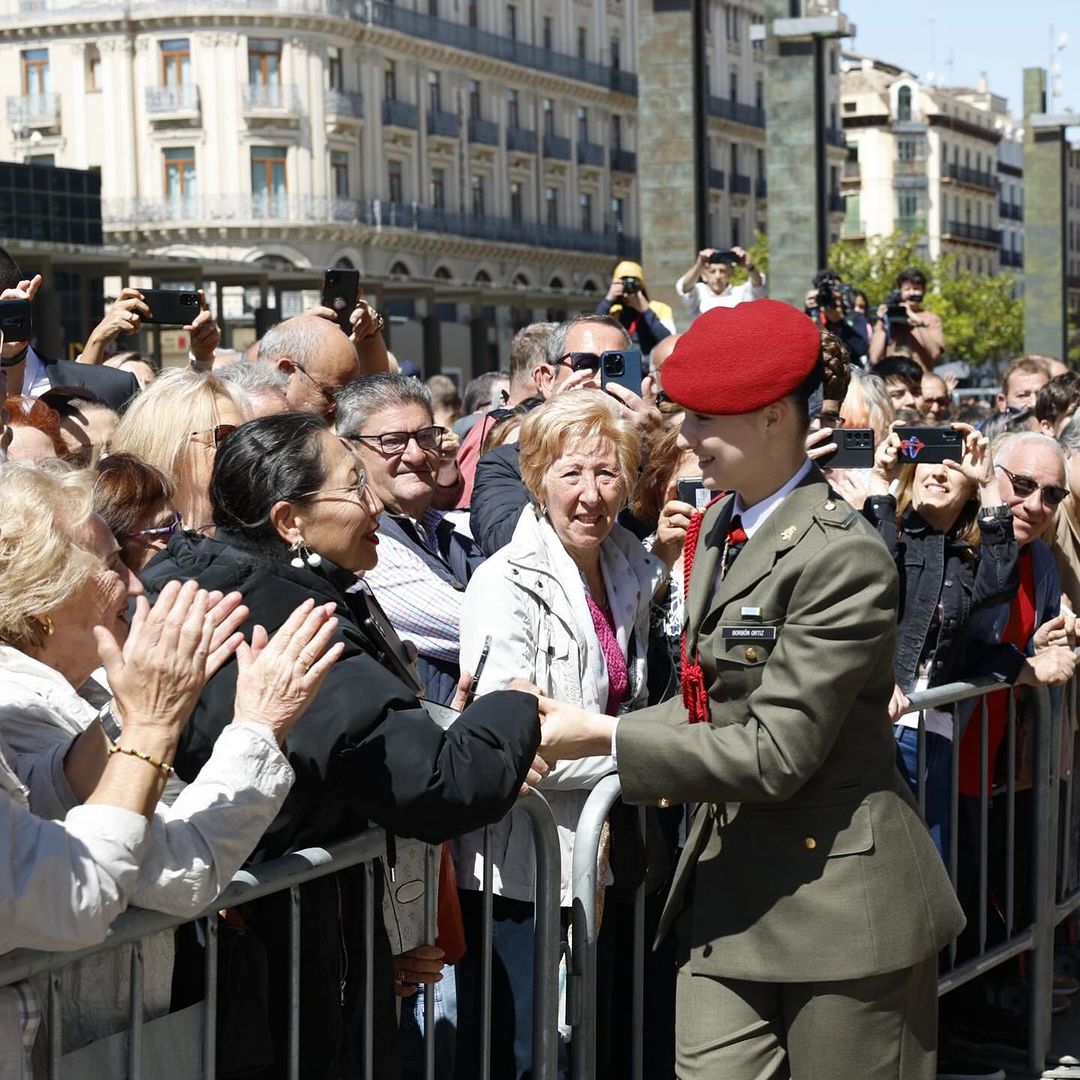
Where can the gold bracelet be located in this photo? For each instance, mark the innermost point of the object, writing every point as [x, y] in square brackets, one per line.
[164, 766]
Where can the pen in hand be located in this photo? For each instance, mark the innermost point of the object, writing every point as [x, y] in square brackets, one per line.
[479, 671]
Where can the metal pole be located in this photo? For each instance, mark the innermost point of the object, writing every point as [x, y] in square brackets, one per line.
[638, 1010]
[210, 1006]
[294, 982]
[431, 896]
[545, 1043]
[585, 928]
[485, 958]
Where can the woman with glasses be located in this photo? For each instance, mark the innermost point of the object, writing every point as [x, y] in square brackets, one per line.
[951, 535]
[177, 424]
[294, 519]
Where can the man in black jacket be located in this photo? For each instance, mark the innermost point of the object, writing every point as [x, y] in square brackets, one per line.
[31, 375]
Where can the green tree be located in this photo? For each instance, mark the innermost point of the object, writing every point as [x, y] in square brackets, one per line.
[984, 320]
[874, 265]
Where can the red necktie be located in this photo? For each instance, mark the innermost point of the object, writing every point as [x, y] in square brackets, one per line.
[736, 538]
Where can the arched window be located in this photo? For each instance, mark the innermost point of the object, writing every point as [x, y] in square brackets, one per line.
[903, 103]
[588, 286]
[400, 269]
[344, 263]
[482, 277]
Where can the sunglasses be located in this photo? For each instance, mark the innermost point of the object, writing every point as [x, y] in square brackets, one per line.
[580, 361]
[218, 434]
[1024, 486]
[171, 529]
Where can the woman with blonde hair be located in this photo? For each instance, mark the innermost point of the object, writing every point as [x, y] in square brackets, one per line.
[564, 606]
[176, 424]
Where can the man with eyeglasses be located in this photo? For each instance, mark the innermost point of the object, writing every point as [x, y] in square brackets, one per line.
[572, 362]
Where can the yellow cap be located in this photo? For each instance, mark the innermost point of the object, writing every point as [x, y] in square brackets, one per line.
[631, 269]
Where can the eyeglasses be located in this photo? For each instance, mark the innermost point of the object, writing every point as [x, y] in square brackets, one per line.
[831, 420]
[171, 529]
[359, 489]
[941, 402]
[218, 434]
[580, 361]
[392, 443]
[328, 395]
[1024, 486]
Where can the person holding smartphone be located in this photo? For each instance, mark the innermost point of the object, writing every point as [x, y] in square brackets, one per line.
[707, 284]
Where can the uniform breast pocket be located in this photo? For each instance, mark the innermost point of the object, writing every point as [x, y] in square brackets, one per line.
[740, 652]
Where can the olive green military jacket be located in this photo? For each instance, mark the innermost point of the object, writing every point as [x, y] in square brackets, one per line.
[807, 859]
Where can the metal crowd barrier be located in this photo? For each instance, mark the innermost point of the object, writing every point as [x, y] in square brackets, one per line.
[286, 875]
[1052, 891]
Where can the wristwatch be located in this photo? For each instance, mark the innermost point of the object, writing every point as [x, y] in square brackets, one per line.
[989, 514]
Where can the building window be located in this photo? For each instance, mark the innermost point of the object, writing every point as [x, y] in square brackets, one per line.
[390, 80]
[180, 185]
[335, 72]
[264, 62]
[833, 122]
[734, 159]
[761, 164]
[339, 173]
[618, 213]
[616, 133]
[434, 82]
[513, 109]
[549, 117]
[736, 232]
[93, 68]
[175, 62]
[903, 103]
[582, 124]
[478, 196]
[517, 202]
[433, 8]
[36, 79]
[905, 149]
[511, 22]
[551, 207]
[269, 187]
[585, 211]
[582, 42]
[907, 205]
[395, 181]
[475, 111]
[549, 32]
[733, 86]
[438, 189]
[616, 54]
[474, 13]
[759, 94]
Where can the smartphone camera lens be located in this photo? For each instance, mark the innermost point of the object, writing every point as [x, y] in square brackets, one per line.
[615, 365]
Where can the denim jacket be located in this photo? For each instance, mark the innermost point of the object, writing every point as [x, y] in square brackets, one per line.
[935, 570]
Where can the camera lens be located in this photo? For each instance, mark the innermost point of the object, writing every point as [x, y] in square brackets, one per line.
[614, 365]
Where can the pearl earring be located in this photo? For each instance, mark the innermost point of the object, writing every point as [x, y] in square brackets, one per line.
[304, 555]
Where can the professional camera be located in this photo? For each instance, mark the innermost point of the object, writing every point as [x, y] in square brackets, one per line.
[897, 313]
[831, 293]
[630, 286]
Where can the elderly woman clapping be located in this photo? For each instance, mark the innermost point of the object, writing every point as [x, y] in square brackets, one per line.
[565, 606]
[63, 603]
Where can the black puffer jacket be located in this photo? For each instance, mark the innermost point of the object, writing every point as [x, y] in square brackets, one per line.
[365, 752]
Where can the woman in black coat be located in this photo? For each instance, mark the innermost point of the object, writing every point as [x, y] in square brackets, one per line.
[295, 520]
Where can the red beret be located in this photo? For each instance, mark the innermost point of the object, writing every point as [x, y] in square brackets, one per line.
[742, 358]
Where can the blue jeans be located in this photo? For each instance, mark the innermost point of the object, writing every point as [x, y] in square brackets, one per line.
[937, 780]
[446, 1022]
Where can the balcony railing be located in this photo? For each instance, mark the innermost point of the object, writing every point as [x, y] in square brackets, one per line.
[34, 110]
[459, 36]
[372, 213]
[521, 139]
[737, 111]
[555, 146]
[716, 179]
[1011, 258]
[400, 114]
[623, 161]
[446, 124]
[911, 224]
[172, 99]
[836, 137]
[761, 188]
[483, 131]
[1011, 211]
[271, 97]
[977, 234]
[590, 154]
[739, 184]
[975, 177]
[851, 169]
[345, 103]
[909, 167]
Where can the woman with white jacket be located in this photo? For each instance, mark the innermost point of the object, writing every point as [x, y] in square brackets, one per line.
[565, 607]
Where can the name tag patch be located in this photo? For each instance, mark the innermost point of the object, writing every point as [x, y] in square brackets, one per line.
[748, 633]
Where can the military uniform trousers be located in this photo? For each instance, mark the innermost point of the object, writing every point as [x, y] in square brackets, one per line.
[882, 1027]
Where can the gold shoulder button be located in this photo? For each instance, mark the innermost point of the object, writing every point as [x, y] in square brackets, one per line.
[830, 505]
[809, 843]
[663, 802]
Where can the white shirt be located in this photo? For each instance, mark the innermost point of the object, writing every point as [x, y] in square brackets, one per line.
[35, 379]
[701, 298]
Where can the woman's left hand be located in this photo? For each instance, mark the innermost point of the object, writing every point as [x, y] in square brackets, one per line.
[671, 531]
[976, 464]
[423, 964]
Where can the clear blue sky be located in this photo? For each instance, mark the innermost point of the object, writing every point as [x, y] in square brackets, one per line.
[999, 37]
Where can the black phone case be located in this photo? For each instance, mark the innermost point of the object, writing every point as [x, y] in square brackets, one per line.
[694, 492]
[929, 446]
[171, 307]
[340, 291]
[854, 450]
[631, 377]
[16, 319]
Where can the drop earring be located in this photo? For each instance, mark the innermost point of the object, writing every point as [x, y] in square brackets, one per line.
[304, 556]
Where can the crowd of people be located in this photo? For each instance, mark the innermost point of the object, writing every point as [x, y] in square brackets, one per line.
[227, 593]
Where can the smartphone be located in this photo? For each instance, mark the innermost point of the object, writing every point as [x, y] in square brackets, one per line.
[854, 449]
[622, 366]
[171, 307]
[340, 291]
[16, 320]
[692, 490]
[388, 647]
[728, 257]
[929, 445]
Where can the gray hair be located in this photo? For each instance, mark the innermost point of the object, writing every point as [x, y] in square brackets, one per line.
[255, 379]
[1006, 444]
[370, 394]
[299, 339]
[1069, 439]
[556, 344]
